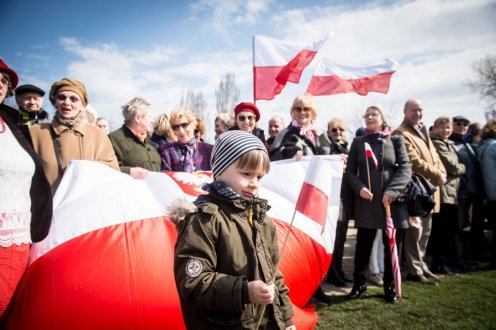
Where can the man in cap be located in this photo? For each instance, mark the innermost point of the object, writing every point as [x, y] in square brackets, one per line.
[29, 99]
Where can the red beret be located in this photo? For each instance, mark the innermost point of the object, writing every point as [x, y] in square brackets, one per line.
[247, 106]
[12, 74]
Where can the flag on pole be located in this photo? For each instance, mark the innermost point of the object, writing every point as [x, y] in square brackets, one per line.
[332, 78]
[393, 250]
[370, 154]
[275, 62]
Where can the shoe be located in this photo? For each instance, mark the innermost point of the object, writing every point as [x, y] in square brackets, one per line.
[390, 296]
[420, 278]
[428, 273]
[442, 270]
[321, 296]
[357, 292]
[461, 267]
[376, 279]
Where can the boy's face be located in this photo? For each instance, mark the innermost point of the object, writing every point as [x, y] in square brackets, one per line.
[443, 130]
[243, 181]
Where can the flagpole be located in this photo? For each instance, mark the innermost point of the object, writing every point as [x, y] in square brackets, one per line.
[277, 264]
[253, 66]
[368, 171]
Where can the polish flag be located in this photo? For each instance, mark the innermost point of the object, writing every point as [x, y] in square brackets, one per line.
[276, 62]
[370, 154]
[332, 78]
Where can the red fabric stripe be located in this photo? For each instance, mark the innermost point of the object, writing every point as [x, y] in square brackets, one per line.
[327, 85]
[312, 202]
[270, 80]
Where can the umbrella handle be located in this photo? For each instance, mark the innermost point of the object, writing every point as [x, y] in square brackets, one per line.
[388, 211]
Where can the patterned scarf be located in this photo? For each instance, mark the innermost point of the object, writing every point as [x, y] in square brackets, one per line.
[188, 149]
[69, 122]
[221, 188]
[381, 134]
[307, 131]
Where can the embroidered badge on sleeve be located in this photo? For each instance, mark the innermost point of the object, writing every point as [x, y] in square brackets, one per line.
[194, 267]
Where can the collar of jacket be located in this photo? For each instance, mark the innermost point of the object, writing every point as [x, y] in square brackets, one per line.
[59, 128]
[259, 206]
[129, 133]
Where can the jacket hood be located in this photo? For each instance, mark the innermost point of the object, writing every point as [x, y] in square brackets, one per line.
[179, 209]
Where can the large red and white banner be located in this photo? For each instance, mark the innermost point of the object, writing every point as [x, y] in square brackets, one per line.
[332, 78]
[275, 62]
[107, 262]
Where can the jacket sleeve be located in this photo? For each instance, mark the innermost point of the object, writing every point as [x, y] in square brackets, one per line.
[449, 158]
[351, 171]
[403, 173]
[119, 153]
[106, 154]
[166, 159]
[195, 260]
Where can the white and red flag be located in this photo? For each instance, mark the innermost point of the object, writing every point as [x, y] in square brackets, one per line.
[275, 62]
[370, 154]
[332, 78]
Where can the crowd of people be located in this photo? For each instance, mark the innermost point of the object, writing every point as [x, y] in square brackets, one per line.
[456, 157]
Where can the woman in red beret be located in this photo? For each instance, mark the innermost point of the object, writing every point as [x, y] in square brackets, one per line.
[246, 116]
[25, 196]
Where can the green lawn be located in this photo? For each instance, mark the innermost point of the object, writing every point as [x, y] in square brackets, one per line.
[464, 301]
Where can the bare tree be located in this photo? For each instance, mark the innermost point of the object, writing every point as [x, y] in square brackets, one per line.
[227, 95]
[194, 102]
[485, 80]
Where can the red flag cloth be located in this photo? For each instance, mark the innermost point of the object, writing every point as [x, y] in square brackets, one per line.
[395, 263]
[370, 154]
[332, 78]
[275, 62]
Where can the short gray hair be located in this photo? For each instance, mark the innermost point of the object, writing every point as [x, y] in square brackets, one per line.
[136, 106]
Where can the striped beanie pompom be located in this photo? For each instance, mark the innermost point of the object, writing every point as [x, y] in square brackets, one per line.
[230, 146]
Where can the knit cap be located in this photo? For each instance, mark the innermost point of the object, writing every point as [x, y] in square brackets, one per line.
[230, 146]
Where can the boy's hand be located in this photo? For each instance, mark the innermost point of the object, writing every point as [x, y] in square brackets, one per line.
[291, 327]
[261, 293]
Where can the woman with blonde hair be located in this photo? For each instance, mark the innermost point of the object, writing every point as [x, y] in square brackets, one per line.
[186, 154]
[162, 131]
[300, 138]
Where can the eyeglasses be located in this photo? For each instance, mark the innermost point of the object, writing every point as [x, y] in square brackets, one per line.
[243, 118]
[182, 125]
[335, 130]
[305, 109]
[461, 123]
[373, 115]
[72, 98]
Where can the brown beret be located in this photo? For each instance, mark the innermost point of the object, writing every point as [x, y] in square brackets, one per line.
[67, 84]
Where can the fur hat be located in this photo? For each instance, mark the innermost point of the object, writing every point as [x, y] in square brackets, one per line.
[67, 84]
[247, 106]
[12, 74]
[230, 146]
[23, 89]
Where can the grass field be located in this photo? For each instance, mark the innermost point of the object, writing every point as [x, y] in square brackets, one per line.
[463, 301]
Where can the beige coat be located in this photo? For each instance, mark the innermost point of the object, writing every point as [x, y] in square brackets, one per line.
[424, 157]
[82, 142]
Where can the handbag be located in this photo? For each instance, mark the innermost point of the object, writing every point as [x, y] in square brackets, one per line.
[419, 196]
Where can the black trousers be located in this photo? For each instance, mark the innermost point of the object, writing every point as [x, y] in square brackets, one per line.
[365, 241]
[446, 237]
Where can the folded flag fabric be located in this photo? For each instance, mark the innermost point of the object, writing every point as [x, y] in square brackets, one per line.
[332, 78]
[275, 62]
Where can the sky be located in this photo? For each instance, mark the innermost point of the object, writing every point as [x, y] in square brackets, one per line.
[161, 49]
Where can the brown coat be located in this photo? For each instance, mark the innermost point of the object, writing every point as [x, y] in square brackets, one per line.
[82, 142]
[423, 155]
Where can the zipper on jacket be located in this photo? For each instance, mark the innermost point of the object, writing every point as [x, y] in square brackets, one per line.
[249, 213]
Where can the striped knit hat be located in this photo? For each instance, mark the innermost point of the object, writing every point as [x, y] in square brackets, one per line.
[230, 146]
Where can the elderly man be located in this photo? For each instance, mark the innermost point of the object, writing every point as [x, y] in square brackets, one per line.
[276, 124]
[136, 154]
[29, 99]
[426, 162]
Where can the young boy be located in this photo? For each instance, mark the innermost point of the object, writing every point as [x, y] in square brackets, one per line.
[226, 250]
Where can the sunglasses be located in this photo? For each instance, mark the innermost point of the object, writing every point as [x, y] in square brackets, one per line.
[305, 109]
[373, 115]
[61, 97]
[335, 130]
[243, 118]
[182, 125]
[461, 123]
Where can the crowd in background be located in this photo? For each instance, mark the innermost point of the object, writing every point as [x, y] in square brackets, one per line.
[455, 156]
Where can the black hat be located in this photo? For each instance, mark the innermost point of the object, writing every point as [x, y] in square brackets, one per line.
[460, 118]
[23, 89]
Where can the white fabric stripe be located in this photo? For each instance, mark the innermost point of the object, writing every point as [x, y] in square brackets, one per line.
[314, 175]
[327, 67]
[273, 52]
